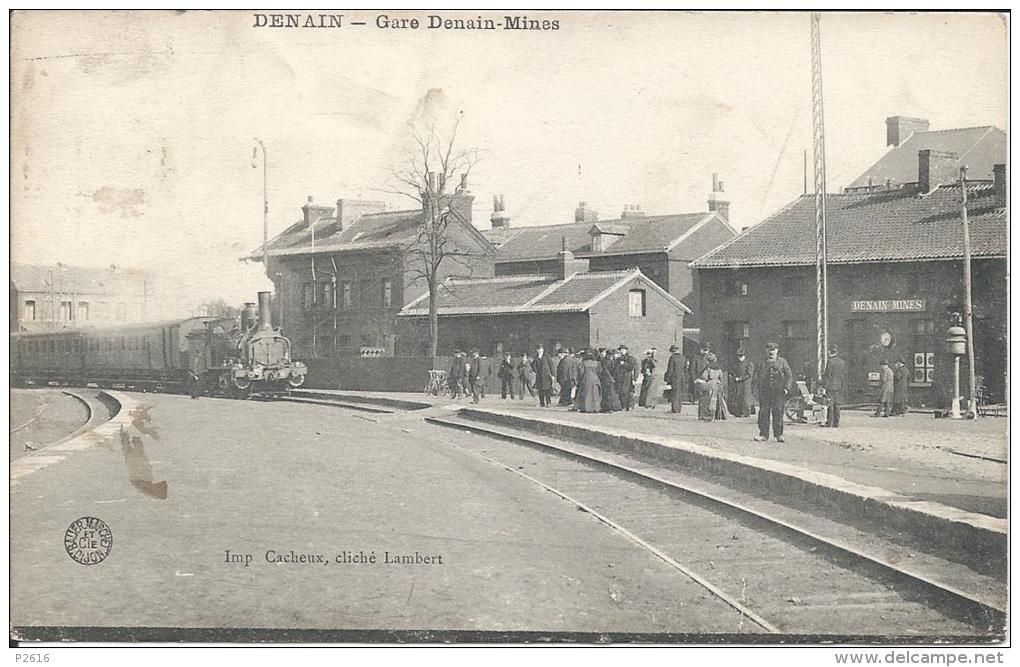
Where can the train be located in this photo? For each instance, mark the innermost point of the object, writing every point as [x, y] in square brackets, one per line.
[235, 357]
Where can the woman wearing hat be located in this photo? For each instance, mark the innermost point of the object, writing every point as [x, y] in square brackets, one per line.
[711, 404]
[589, 387]
[741, 376]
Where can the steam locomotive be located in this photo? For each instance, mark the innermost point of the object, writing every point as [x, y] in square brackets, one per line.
[216, 355]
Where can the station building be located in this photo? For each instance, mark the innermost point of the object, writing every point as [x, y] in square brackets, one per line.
[343, 273]
[895, 279]
[568, 307]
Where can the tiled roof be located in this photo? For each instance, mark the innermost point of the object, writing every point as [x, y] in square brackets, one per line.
[372, 230]
[79, 279]
[889, 225]
[544, 242]
[654, 233]
[980, 148]
[528, 294]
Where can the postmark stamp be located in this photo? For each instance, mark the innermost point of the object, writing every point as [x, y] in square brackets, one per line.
[88, 540]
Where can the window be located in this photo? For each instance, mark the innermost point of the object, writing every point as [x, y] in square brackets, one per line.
[387, 292]
[83, 311]
[308, 296]
[121, 312]
[29, 310]
[735, 287]
[345, 294]
[327, 296]
[637, 303]
[364, 288]
[922, 347]
[795, 329]
[793, 286]
[66, 313]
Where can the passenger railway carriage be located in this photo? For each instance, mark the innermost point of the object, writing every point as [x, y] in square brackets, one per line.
[221, 355]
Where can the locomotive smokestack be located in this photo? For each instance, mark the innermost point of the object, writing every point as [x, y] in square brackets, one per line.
[265, 311]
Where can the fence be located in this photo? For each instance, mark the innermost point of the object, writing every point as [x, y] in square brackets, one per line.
[382, 373]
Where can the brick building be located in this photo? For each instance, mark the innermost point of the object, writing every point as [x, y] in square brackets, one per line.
[661, 246]
[343, 273]
[980, 148]
[895, 278]
[61, 296]
[568, 307]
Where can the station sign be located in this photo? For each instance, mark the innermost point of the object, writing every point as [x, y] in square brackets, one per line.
[888, 306]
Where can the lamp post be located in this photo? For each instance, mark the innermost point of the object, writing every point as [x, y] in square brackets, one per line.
[265, 200]
[956, 342]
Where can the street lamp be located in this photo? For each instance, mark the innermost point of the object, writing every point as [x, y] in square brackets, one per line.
[956, 342]
[265, 200]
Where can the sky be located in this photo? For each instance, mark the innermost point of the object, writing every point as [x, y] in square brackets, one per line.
[132, 132]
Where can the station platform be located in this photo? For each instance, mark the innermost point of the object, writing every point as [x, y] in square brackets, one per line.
[958, 464]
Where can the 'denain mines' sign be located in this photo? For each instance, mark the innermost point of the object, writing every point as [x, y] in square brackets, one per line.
[887, 306]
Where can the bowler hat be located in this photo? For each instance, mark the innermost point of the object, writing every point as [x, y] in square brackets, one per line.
[673, 348]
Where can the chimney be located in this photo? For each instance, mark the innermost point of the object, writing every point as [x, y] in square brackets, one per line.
[584, 214]
[313, 211]
[899, 128]
[500, 218]
[566, 265]
[460, 202]
[935, 168]
[265, 311]
[999, 176]
[718, 202]
[349, 210]
[632, 211]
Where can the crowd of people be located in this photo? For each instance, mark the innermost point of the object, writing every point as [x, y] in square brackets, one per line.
[607, 379]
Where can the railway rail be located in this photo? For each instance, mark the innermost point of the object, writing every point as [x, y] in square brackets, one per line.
[782, 577]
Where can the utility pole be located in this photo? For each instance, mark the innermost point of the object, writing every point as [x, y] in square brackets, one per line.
[821, 252]
[968, 306]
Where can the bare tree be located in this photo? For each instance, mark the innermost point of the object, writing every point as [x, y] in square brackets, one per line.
[434, 163]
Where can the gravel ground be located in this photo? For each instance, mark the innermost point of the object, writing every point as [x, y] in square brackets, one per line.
[40, 417]
[192, 480]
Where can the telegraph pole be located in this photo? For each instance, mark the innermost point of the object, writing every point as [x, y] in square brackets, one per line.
[968, 306]
[821, 252]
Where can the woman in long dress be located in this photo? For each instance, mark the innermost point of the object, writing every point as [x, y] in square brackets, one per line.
[610, 399]
[589, 388]
[711, 403]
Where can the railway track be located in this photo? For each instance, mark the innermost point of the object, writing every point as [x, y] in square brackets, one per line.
[779, 577]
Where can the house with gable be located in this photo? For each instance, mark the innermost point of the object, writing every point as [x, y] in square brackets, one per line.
[660, 246]
[343, 273]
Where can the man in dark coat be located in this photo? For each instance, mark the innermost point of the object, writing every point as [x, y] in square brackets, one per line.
[623, 376]
[834, 382]
[774, 381]
[544, 376]
[506, 376]
[676, 379]
[485, 368]
[901, 380]
[741, 376]
[474, 375]
[566, 376]
[458, 375]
